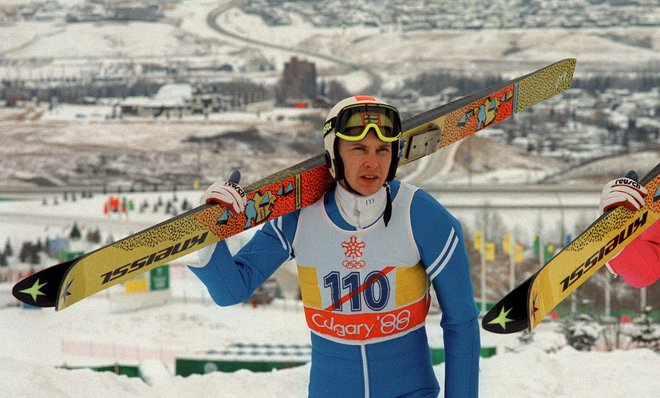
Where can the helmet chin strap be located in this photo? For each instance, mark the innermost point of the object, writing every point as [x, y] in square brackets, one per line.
[387, 215]
[388, 204]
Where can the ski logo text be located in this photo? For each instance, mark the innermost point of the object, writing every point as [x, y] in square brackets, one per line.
[153, 258]
[606, 249]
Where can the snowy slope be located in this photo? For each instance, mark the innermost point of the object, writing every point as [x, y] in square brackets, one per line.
[116, 327]
[27, 365]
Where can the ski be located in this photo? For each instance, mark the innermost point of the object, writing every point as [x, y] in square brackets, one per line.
[64, 284]
[526, 305]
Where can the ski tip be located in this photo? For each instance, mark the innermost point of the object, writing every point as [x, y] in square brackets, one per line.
[40, 289]
[510, 314]
[504, 319]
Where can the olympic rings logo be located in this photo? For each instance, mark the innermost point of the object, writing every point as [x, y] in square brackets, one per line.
[353, 264]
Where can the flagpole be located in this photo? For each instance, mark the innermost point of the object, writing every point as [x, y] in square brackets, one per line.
[642, 299]
[483, 275]
[512, 264]
[608, 297]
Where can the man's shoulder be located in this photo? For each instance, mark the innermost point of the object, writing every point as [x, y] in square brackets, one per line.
[425, 206]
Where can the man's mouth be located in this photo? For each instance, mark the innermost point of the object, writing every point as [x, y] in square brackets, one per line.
[369, 177]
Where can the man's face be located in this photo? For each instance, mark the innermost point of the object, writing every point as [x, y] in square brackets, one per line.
[366, 163]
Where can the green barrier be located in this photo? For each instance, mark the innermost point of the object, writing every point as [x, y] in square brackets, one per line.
[487, 352]
[489, 304]
[124, 370]
[68, 256]
[438, 354]
[186, 367]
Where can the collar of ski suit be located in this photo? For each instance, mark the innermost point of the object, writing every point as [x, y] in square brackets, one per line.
[360, 211]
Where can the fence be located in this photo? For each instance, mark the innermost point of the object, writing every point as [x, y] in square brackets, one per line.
[119, 351]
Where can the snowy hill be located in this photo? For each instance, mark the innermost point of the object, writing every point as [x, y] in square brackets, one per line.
[89, 333]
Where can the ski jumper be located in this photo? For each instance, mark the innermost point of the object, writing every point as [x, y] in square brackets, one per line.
[639, 263]
[366, 294]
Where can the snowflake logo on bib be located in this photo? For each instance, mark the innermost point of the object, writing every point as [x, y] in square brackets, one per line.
[353, 250]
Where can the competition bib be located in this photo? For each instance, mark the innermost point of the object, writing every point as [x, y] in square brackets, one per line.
[365, 285]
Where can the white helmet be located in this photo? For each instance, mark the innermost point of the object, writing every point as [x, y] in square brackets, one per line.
[351, 119]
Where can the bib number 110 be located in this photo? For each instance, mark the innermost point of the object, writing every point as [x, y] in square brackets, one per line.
[375, 290]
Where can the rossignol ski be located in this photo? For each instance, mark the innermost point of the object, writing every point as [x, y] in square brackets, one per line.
[283, 192]
[526, 305]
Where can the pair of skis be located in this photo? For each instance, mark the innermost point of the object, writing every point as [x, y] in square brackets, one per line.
[64, 284]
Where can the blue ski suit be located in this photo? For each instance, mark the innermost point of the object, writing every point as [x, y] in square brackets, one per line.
[366, 294]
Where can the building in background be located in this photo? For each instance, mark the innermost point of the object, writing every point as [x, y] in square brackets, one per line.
[298, 84]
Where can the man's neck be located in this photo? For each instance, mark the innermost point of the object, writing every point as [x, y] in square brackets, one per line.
[358, 210]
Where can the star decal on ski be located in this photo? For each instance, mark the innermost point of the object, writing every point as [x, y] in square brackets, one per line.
[35, 290]
[502, 319]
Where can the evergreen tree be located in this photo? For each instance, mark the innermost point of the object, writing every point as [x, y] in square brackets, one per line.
[34, 257]
[25, 251]
[185, 205]
[9, 251]
[75, 232]
[93, 236]
[89, 237]
[97, 235]
[144, 206]
[3, 260]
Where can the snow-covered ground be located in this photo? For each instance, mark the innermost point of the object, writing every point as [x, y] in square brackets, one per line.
[115, 327]
[34, 342]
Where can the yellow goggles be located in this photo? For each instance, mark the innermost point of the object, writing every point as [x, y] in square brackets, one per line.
[385, 134]
[353, 123]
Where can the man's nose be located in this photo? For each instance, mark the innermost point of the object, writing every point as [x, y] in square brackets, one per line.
[371, 161]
